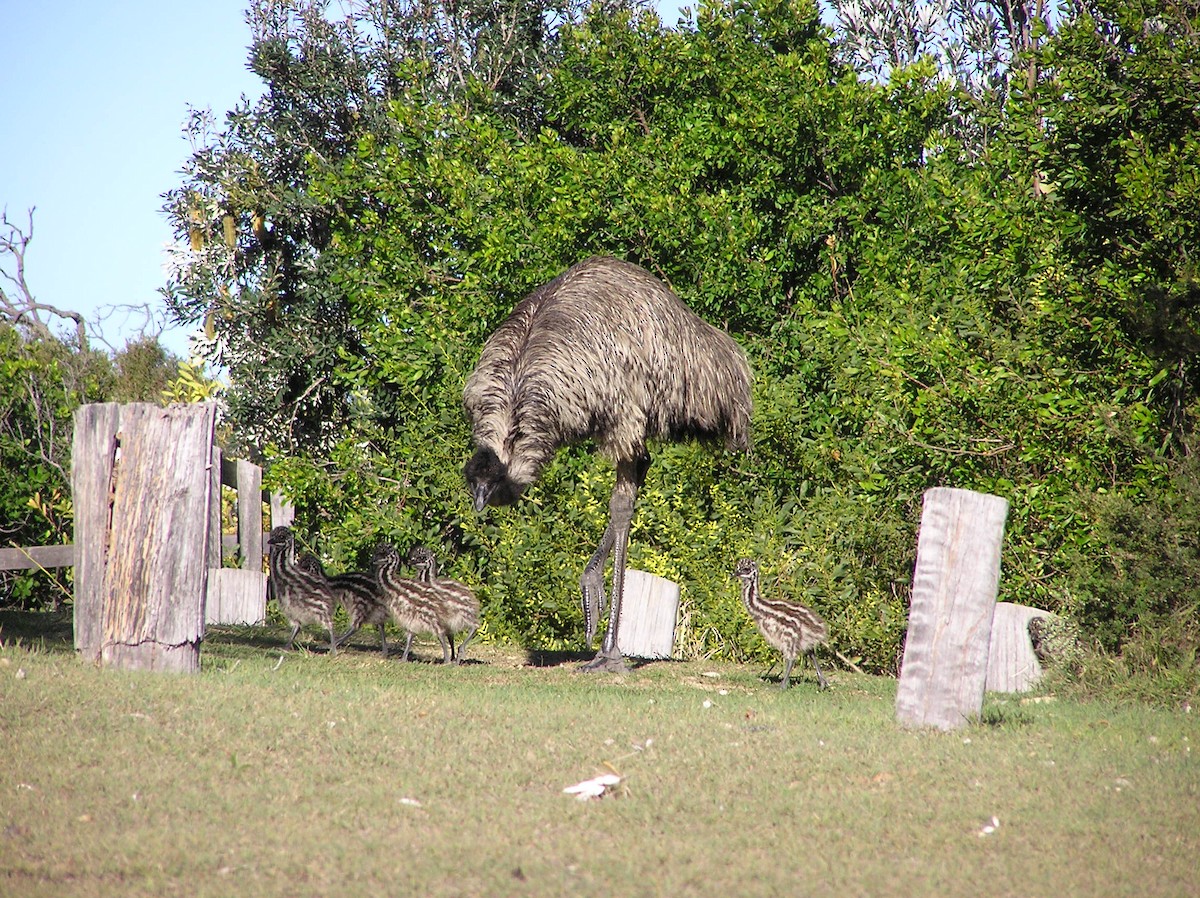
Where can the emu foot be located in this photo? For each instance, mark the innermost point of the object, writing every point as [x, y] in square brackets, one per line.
[603, 663]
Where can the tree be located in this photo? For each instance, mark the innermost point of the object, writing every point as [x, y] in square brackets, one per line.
[252, 265]
[919, 311]
[43, 380]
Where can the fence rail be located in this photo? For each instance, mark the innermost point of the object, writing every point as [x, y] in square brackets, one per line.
[36, 558]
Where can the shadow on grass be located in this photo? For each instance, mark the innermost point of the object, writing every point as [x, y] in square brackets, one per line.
[549, 658]
[257, 636]
[52, 631]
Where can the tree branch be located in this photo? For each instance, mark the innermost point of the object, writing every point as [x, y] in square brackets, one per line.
[23, 308]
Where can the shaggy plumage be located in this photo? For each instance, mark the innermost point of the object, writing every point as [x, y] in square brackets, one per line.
[788, 626]
[457, 607]
[303, 595]
[603, 352]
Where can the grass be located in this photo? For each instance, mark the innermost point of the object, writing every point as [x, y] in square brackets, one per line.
[274, 773]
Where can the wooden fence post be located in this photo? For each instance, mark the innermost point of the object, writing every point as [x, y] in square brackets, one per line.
[283, 513]
[216, 549]
[649, 610]
[147, 528]
[1013, 666]
[250, 516]
[93, 453]
[239, 596]
[953, 599]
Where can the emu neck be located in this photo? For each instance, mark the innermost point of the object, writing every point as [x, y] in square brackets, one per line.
[750, 592]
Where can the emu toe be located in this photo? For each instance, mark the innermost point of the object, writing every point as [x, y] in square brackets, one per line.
[603, 663]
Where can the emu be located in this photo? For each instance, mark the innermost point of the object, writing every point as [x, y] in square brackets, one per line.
[414, 606]
[788, 626]
[359, 594]
[304, 596]
[604, 352]
[457, 607]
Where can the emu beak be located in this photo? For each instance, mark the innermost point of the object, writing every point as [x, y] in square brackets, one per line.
[480, 493]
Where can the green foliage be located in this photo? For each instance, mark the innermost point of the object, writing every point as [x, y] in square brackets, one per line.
[1015, 315]
[190, 384]
[142, 372]
[42, 382]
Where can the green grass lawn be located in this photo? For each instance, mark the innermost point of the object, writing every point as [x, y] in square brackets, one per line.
[275, 773]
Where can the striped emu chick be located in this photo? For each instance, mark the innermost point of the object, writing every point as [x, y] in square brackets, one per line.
[359, 594]
[413, 605]
[304, 596]
[458, 609]
[788, 626]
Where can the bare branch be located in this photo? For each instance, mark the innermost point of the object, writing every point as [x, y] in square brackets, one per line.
[22, 308]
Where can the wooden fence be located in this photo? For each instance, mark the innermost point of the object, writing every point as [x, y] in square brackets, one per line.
[148, 549]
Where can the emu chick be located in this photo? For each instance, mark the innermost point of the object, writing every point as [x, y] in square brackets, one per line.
[456, 606]
[304, 597]
[413, 605]
[788, 626]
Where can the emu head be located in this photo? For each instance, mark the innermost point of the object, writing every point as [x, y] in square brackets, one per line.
[386, 558]
[489, 480]
[423, 559]
[746, 569]
[281, 540]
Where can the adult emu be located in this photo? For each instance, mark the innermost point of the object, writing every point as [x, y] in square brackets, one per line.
[603, 352]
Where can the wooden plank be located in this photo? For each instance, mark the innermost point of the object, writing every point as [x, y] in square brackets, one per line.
[1012, 664]
[649, 609]
[283, 513]
[34, 558]
[214, 509]
[93, 455]
[250, 514]
[236, 597]
[953, 599]
[154, 582]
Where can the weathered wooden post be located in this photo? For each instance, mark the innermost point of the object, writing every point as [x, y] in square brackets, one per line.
[953, 599]
[648, 613]
[1013, 665]
[93, 455]
[141, 487]
[216, 550]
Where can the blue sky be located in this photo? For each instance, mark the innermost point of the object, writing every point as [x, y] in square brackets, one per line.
[91, 134]
[91, 118]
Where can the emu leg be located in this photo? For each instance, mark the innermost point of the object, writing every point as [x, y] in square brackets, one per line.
[787, 674]
[341, 640]
[463, 645]
[332, 639]
[822, 683]
[630, 477]
[591, 584]
[447, 654]
[382, 640]
[292, 639]
[407, 646]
